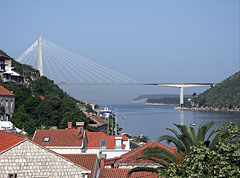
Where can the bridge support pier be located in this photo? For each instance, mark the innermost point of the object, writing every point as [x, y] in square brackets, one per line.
[181, 96]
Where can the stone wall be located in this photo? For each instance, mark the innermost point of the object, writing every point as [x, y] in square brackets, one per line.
[9, 104]
[30, 160]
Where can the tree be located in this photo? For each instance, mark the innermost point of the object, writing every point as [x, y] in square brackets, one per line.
[187, 137]
[222, 161]
[158, 155]
[183, 141]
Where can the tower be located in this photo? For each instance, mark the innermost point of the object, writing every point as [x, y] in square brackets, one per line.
[40, 67]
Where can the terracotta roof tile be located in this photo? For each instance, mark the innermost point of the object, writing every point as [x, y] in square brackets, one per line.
[98, 119]
[94, 139]
[86, 160]
[131, 156]
[122, 173]
[59, 137]
[4, 91]
[1, 55]
[7, 140]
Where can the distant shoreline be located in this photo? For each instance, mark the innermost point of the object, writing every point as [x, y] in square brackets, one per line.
[159, 104]
[209, 109]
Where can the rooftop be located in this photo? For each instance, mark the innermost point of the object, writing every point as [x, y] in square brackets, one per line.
[4, 91]
[7, 140]
[86, 160]
[94, 139]
[122, 173]
[131, 156]
[98, 120]
[59, 137]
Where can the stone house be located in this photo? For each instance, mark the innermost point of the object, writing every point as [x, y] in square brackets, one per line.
[7, 100]
[22, 158]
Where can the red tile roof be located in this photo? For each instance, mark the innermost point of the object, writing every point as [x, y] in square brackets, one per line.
[59, 137]
[122, 173]
[1, 55]
[7, 140]
[131, 156]
[4, 91]
[94, 139]
[86, 160]
[98, 119]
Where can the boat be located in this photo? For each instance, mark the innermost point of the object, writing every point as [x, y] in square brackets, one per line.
[105, 112]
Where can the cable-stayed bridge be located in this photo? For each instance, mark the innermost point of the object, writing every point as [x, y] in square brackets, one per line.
[68, 68]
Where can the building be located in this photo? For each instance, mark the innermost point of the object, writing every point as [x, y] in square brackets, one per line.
[89, 161]
[99, 123]
[7, 100]
[131, 159]
[7, 73]
[122, 173]
[63, 141]
[111, 146]
[77, 141]
[21, 157]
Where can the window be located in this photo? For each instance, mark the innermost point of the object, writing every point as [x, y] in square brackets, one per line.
[12, 175]
[46, 139]
[103, 143]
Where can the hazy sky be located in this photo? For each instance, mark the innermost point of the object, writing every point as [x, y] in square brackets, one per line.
[150, 41]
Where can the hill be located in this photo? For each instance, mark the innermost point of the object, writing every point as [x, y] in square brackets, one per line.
[42, 103]
[224, 96]
[159, 99]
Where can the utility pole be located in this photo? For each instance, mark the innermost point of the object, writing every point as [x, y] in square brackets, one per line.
[123, 119]
[116, 121]
[107, 125]
[40, 67]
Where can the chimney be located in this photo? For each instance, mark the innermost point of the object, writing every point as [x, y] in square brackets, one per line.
[79, 125]
[69, 125]
[102, 157]
[118, 142]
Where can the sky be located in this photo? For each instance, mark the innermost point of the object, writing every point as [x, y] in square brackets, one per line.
[149, 41]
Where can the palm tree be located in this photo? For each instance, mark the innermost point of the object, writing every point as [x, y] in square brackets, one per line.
[183, 142]
[158, 155]
[188, 138]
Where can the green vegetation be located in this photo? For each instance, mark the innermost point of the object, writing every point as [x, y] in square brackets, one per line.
[225, 95]
[195, 156]
[188, 138]
[201, 161]
[165, 100]
[42, 103]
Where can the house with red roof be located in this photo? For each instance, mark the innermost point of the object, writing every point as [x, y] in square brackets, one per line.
[63, 141]
[89, 161]
[7, 100]
[76, 141]
[98, 122]
[21, 157]
[122, 173]
[109, 145]
[131, 159]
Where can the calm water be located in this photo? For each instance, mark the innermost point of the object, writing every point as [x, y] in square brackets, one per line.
[152, 120]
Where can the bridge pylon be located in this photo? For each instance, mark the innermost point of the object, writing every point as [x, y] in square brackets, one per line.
[40, 66]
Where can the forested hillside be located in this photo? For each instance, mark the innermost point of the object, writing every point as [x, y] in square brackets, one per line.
[223, 96]
[41, 102]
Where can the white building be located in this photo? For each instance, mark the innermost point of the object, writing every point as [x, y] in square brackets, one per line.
[75, 141]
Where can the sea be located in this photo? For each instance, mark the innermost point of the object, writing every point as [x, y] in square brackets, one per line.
[152, 120]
